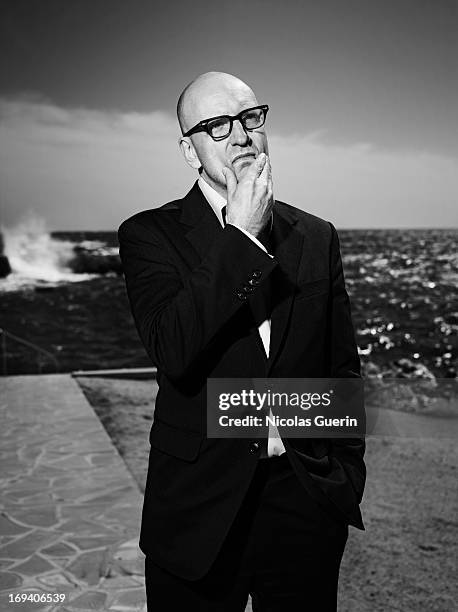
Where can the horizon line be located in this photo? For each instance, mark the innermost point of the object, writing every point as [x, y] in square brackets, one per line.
[406, 227]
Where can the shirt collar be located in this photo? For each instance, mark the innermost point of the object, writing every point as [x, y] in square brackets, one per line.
[216, 201]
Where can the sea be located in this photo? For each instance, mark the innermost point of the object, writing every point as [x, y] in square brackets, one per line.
[64, 306]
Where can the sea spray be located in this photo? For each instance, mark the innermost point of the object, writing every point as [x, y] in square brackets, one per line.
[35, 256]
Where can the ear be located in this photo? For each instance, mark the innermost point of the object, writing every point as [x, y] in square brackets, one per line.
[189, 152]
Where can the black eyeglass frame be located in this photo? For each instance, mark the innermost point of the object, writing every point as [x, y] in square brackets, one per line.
[202, 126]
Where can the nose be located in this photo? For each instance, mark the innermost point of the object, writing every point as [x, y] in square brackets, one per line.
[239, 136]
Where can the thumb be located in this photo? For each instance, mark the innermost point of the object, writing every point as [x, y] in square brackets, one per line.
[231, 181]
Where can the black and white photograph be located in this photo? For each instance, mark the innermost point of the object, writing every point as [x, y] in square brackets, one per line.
[228, 306]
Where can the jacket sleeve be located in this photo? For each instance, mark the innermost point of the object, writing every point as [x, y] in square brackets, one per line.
[177, 315]
[345, 363]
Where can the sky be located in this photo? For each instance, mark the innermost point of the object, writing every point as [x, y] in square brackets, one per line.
[363, 96]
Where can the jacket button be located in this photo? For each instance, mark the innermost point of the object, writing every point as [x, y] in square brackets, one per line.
[253, 282]
[254, 447]
[248, 288]
[256, 274]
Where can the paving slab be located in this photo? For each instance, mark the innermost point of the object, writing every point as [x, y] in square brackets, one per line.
[70, 510]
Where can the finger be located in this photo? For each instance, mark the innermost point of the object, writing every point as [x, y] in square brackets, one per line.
[265, 172]
[231, 181]
[263, 177]
[270, 196]
[256, 167]
[262, 163]
[264, 182]
[270, 180]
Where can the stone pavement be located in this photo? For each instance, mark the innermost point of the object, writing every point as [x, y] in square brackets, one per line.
[69, 509]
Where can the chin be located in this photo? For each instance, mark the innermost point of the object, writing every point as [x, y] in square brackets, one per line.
[242, 166]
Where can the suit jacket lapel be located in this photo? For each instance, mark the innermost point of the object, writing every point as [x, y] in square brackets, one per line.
[203, 224]
[287, 248]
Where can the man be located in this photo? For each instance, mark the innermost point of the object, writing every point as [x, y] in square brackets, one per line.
[229, 283]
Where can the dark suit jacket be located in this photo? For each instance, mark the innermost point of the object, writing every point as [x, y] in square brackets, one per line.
[185, 276]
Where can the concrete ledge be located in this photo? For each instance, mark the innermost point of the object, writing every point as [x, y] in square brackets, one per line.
[132, 373]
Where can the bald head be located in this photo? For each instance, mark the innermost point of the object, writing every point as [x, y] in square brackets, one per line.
[211, 95]
[208, 93]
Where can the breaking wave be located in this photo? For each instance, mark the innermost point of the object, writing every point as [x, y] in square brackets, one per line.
[37, 258]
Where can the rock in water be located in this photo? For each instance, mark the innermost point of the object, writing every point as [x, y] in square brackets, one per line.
[5, 267]
[94, 261]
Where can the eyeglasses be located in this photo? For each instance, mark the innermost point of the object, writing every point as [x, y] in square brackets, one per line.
[220, 127]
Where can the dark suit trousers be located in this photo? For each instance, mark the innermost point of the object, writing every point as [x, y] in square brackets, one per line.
[282, 548]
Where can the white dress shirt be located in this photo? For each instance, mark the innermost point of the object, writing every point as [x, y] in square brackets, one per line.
[217, 202]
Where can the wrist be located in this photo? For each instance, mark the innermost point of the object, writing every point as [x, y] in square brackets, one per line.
[252, 228]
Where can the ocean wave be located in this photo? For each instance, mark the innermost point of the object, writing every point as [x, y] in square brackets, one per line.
[33, 258]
